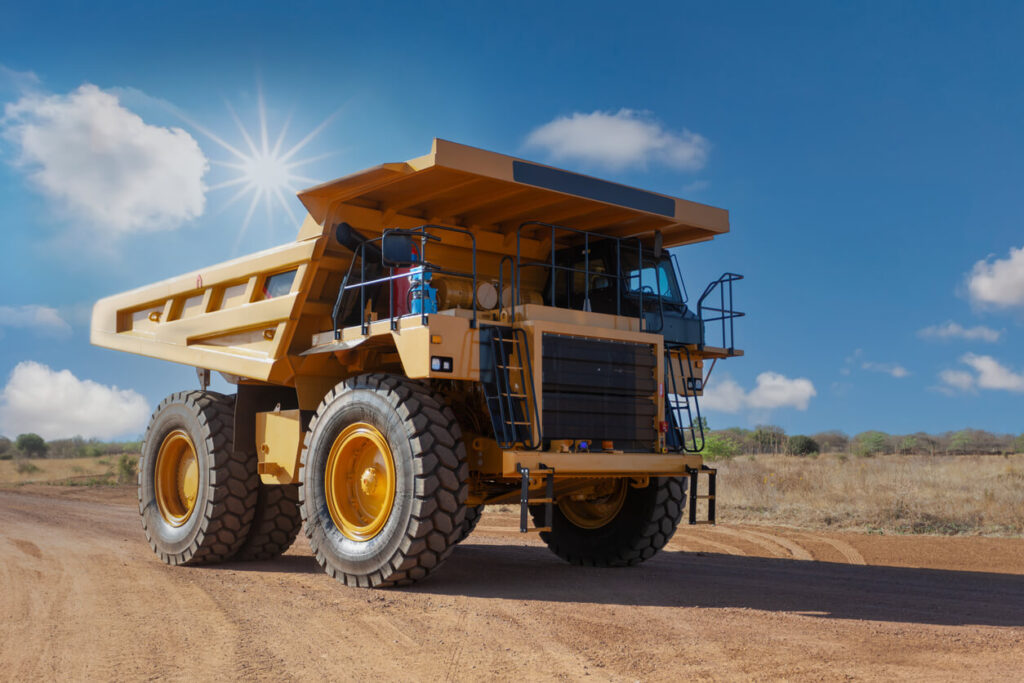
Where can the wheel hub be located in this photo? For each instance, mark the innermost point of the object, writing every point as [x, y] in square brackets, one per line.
[176, 478]
[360, 481]
[597, 509]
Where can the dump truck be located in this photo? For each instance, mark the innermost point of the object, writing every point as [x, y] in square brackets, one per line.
[459, 330]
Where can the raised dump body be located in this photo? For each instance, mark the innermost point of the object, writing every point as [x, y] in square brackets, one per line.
[533, 313]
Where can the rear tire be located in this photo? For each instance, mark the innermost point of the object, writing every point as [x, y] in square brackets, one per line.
[383, 481]
[473, 515]
[643, 522]
[196, 494]
[275, 525]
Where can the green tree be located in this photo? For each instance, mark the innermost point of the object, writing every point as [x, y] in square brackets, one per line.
[31, 445]
[5, 445]
[961, 442]
[799, 444]
[867, 444]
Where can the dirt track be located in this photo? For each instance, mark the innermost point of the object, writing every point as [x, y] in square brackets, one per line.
[84, 598]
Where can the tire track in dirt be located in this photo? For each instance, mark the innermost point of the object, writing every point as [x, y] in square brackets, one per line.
[776, 545]
[849, 553]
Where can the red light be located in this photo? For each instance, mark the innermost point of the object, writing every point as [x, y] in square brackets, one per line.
[663, 427]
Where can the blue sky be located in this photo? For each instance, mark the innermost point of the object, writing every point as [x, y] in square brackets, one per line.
[870, 155]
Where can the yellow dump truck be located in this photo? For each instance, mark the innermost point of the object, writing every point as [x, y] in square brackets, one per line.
[459, 330]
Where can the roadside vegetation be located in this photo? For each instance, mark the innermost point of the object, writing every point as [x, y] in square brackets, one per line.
[959, 482]
[72, 462]
[962, 482]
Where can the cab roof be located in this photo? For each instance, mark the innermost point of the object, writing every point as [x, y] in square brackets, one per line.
[479, 190]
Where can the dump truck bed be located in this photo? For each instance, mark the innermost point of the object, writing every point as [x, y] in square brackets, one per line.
[255, 316]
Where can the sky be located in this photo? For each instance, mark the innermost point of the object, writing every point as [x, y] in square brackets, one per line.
[871, 156]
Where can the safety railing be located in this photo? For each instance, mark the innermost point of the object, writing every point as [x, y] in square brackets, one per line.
[390, 260]
[554, 267]
[724, 313]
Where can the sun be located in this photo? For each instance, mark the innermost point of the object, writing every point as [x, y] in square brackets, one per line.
[264, 172]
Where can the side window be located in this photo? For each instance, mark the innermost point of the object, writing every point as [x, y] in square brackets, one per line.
[278, 285]
[645, 278]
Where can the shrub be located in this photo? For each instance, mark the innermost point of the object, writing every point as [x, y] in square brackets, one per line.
[799, 444]
[720, 447]
[25, 467]
[5, 445]
[126, 469]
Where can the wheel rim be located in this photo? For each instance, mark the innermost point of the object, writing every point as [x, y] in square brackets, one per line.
[360, 481]
[596, 511]
[176, 478]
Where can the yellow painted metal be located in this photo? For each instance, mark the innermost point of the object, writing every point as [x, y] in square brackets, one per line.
[597, 509]
[278, 446]
[576, 464]
[176, 478]
[473, 187]
[360, 481]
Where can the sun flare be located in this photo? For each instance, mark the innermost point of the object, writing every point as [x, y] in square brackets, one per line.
[265, 172]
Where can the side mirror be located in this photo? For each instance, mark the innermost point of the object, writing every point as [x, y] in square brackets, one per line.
[398, 250]
[658, 241]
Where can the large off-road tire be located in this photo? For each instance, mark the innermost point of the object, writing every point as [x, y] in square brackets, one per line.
[473, 515]
[275, 524]
[383, 481]
[196, 494]
[626, 527]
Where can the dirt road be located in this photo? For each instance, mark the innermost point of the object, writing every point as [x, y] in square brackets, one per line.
[82, 597]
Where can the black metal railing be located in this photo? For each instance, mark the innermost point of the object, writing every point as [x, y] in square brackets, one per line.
[421, 264]
[554, 267]
[723, 313]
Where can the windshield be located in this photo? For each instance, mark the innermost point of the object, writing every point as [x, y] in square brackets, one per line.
[655, 279]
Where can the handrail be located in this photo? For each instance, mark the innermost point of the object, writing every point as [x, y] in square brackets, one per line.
[554, 267]
[725, 309]
[425, 265]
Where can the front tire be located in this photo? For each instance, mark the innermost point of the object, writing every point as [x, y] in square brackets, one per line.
[196, 494]
[619, 526]
[384, 481]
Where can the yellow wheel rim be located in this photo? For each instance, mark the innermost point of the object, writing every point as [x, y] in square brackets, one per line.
[176, 478]
[360, 481]
[595, 511]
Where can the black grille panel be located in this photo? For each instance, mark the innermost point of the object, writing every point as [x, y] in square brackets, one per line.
[600, 390]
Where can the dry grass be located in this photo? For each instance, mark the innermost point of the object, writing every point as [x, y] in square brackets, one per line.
[69, 471]
[901, 494]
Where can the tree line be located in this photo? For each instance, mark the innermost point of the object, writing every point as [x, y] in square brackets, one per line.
[32, 445]
[772, 439]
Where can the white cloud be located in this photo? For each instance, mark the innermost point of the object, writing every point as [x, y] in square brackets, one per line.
[619, 140]
[951, 330]
[894, 369]
[857, 358]
[56, 405]
[958, 379]
[103, 165]
[998, 282]
[992, 374]
[40, 319]
[772, 391]
[988, 374]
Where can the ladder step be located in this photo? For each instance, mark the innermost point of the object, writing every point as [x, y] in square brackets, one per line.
[533, 501]
[703, 521]
[536, 528]
[509, 422]
[704, 497]
[509, 367]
